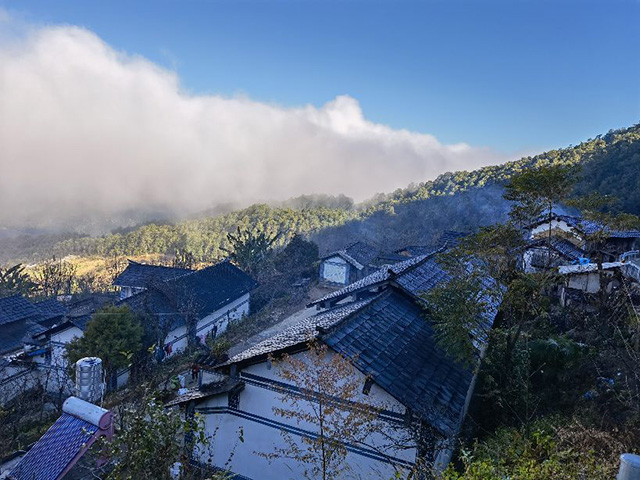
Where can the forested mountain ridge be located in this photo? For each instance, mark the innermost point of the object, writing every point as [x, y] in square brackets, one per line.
[417, 214]
[607, 160]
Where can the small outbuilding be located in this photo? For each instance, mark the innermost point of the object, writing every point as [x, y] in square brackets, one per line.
[348, 265]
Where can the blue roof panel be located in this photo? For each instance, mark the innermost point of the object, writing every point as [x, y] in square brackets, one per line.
[48, 458]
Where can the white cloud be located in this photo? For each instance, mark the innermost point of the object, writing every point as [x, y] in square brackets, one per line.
[87, 129]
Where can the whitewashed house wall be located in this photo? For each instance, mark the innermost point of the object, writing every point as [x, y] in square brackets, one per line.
[235, 310]
[543, 229]
[15, 379]
[335, 270]
[262, 430]
[54, 369]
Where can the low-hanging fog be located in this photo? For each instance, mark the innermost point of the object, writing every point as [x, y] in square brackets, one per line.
[90, 132]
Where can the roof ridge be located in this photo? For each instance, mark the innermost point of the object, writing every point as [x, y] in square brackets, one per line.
[427, 256]
[364, 306]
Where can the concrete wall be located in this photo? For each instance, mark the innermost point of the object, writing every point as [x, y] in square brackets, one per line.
[263, 430]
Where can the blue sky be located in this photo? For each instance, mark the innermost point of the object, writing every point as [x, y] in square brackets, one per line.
[513, 75]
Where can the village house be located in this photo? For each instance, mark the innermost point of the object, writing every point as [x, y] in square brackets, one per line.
[380, 324]
[349, 264]
[417, 274]
[209, 298]
[21, 321]
[572, 242]
[138, 277]
[582, 280]
[39, 340]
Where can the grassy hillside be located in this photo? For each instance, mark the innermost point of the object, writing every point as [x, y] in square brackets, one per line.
[417, 214]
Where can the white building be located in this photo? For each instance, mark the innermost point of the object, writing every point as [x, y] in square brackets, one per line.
[347, 265]
[572, 242]
[212, 297]
[423, 394]
[138, 277]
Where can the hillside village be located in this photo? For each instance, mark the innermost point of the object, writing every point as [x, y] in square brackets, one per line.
[357, 363]
[319, 240]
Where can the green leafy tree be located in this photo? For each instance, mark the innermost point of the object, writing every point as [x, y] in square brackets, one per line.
[151, 439]
[298, 256]
[250, 249]
[114, 334]
[493, 250]
[550, 449]
[538, 191]
[15, 281]
[456, 309]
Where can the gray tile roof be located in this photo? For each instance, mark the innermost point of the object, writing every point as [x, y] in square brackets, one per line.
[391, 340]
[378, 277]
[16, 308]
[590, 227]
[13, 335]
[18, 323]
[201, 291]
[358, 254]
[421, 277]
[51, 308]
[141, 275]
[562, 246]
[212, 287]
[299, 333]
[415, 250]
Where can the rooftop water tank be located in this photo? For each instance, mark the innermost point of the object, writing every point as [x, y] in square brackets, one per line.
[89, 386]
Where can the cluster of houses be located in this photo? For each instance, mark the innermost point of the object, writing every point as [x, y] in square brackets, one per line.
[379, 322]
[589, 256]
[34, 335]
[375, 316]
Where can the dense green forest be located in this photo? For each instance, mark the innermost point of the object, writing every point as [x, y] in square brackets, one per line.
[417, 214]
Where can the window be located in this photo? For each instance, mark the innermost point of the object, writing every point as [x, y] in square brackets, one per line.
[367, 386]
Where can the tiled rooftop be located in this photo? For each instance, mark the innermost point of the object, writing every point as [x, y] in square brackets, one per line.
[141, 275]
[392, 341]
[301, 332]
[202, 291]
[358, 254]
[379, 276]
[16, 308]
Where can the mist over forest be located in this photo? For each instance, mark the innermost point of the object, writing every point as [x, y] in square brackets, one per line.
[101, 139]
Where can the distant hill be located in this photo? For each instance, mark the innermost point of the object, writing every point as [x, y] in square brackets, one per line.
[417, 214]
